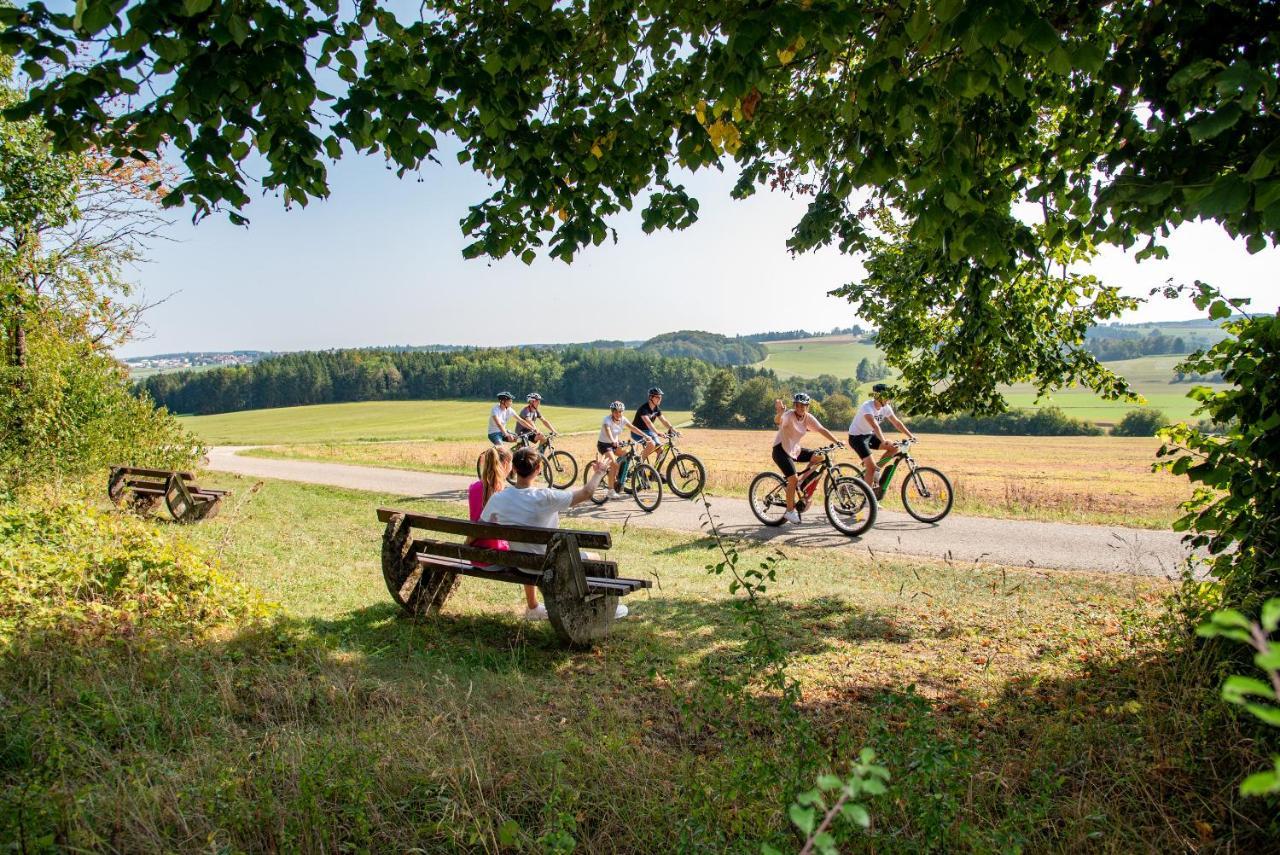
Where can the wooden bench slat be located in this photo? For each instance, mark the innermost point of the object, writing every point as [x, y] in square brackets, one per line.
[494, 531]
[153, 473]
[595, 584]
[509, 558]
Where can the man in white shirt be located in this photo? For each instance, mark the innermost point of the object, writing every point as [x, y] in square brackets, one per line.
[537, 506]
[865, 433]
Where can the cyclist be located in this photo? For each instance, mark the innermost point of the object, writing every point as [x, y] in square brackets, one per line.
[610, 441]
[532, 413]
[500, 415]
[645, 414]
[792, 425]
[865, 433]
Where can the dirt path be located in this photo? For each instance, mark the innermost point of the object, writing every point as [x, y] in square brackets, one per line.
[964, 540]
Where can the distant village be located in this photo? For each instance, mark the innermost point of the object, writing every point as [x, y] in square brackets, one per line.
[184, 361]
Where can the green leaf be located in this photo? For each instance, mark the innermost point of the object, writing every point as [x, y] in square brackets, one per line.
[1042, 37]
[1219, 310]
[803, 818]
[195, 7]
[509, 833]
[1261, 783]
[830, 782]
[1236, 688]
[1271, 615]
[1210, 126]
[1228, 195]
[856, 813]
[528, 256]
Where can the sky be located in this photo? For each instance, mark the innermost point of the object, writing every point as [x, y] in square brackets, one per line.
[380, 263]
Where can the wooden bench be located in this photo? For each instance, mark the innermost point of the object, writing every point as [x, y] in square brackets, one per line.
[581, 594]
[186, 500]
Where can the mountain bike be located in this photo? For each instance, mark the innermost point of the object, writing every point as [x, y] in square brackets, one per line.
[849, 502]
[926, 492]
[559, 468]
[635, 476]
[681, 471]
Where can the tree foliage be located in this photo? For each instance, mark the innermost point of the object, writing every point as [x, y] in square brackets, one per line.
[973, 151]
[709, 347]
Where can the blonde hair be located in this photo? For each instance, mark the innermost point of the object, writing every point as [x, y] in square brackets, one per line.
[491, 474]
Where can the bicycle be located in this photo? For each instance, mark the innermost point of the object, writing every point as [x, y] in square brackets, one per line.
[681, 471]
[849, 502]
[641, 480]
[926, 492]
[559, 467]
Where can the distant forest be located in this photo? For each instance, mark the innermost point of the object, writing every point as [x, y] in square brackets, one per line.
[709, 347]
[574, 377]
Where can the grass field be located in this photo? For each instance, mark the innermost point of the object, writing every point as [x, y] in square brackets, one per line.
[1075, 479]
[1149, 375]
[375, 421]
[1016, 710]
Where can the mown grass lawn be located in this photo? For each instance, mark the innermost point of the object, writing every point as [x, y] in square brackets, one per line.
[375, 421]
[1015, 709]
[1093, 479]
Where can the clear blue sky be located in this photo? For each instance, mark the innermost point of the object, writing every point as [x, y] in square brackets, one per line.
[380, 263]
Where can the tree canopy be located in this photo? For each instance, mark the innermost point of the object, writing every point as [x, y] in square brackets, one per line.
[975, 152]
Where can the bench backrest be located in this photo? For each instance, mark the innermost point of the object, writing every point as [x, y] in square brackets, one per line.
[493, 531]
[152, 473]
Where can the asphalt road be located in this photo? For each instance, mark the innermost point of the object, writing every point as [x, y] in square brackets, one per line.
[959, 539]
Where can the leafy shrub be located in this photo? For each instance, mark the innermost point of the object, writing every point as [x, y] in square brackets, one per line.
[1047, 421]
[74, 415]
[69, 568]
[1143, 422]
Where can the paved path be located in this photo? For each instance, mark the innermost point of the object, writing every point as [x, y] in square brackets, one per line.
[1015, 543]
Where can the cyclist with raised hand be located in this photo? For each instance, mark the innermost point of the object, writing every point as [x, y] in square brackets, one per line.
[865, 433]
[793, 424]
[645, 414]
[500, 415]
[610, 441]
[532, 414]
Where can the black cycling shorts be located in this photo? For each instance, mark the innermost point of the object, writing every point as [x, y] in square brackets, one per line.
[787, 463]
[862, 443]
[602, 447]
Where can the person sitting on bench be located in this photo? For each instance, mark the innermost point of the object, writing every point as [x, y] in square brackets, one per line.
[537, 506]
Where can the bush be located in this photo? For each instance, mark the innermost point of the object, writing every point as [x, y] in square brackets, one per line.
[1047, 421]
[1144, 422]
[69, 569]
[74, 415]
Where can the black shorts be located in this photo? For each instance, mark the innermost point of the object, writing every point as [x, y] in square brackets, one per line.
[862, 443]
[787, 463]
[602, 447]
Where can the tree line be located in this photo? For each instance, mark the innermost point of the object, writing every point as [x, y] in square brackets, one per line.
[573, 376]
[1109, 349]
[709, 347]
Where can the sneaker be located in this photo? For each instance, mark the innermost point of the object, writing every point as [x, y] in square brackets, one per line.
[621, 612]
[538, 612]
[791, 516]
[614, 494]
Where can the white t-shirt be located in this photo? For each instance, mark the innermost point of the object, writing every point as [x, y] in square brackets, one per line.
[611, 431]
[535, 506]
[859, 426]
[502, 416]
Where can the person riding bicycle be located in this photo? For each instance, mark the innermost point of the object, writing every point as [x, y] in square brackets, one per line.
[610, 442]
[792, 425]
[865, 433]
[645, 414]
[532, 414]
[500, 415]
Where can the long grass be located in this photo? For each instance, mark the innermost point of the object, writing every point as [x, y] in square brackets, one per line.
[1016, 709]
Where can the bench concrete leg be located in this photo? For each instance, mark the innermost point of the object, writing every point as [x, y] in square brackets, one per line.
[417, 590]
[115, 486]
[143, 504]
[206, 510]
[579, 621]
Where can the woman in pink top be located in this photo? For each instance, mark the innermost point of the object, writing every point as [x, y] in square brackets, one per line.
[792, 425]
[495, 466]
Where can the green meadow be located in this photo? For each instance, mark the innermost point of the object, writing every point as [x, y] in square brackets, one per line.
[375, 421]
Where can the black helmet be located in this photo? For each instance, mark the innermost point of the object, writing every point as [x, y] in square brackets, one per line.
[881, 389]
[506, 395]
[800, 398]
[533, 396]
[655, 391]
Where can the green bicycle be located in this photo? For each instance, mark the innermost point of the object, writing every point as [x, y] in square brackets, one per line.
[926, 492]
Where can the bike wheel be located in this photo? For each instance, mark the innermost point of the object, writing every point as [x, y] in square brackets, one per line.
[851, 506]
[768, 498]
[686, 476]
[845, 470]
[646, 487]
[544, 474]
[927, 494]
[562, 468]
[601, 493]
